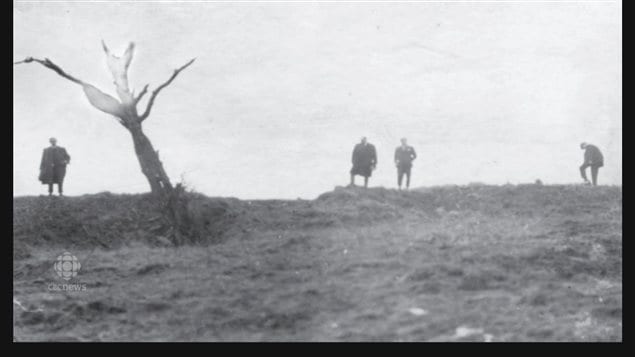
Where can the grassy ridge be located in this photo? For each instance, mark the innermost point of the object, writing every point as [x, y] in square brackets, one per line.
[500, 263]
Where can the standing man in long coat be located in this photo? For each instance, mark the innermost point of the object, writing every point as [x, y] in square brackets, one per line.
[404, 155]
[53, 166]
[592, 158]
[364, 161]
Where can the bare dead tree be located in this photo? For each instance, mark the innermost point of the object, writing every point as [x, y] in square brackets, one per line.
[125, 110]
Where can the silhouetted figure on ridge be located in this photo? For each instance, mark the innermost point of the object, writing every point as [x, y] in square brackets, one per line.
[364, 161]
[53, 166]
[404, 155]
[592, 158]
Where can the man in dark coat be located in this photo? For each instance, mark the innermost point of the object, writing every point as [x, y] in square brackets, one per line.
[364, 161]
[592, 158]
[53, 166]
[404, 155]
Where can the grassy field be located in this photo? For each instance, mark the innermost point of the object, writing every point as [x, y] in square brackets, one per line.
[470, 263]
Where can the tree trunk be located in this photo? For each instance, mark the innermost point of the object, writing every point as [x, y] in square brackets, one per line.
[173, 199]
[151, 166]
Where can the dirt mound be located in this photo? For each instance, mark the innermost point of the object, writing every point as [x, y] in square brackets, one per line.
[108, 221]
[489, 200]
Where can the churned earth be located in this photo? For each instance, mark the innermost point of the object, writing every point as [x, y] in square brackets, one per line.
[456, 263]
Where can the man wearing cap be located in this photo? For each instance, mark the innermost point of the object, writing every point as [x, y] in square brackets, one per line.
[53, 166]
[364, 161]
[404, 155]
[592, 158]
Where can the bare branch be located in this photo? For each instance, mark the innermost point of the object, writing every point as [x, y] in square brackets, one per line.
[119, 68]
[159, 88]
[103, 101]
[96, 97]
[141, 94]
[49, 64]
[103, 45]
[128, 54]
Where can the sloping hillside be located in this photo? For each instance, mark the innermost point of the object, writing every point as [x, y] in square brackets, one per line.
[499, 263]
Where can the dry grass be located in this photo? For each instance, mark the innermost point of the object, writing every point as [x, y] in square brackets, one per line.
[475, 263]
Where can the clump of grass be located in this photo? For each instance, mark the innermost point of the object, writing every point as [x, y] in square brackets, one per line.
[474, 282]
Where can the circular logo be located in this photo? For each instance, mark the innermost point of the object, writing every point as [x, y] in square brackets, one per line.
[67, 266]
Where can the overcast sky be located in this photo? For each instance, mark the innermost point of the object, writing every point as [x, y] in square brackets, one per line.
[280, 93]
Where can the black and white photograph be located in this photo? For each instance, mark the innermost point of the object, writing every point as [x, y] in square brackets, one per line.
[317, 171]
